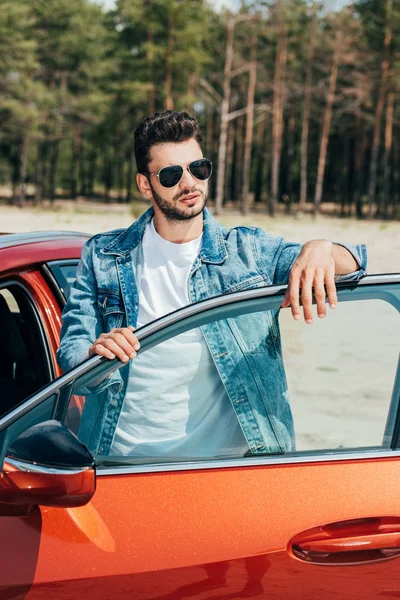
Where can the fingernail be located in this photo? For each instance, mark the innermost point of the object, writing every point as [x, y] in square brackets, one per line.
[133, 354]
[136, 346]
[297, 317]
[125, 358]
[332, 305]
[309, 321]
[321, 316]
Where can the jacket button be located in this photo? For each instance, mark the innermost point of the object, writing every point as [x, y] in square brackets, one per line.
[113, 402]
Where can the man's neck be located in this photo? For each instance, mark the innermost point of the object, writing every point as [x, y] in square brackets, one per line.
[178, 232]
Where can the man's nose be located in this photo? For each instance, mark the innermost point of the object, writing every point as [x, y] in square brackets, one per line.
[187, 181]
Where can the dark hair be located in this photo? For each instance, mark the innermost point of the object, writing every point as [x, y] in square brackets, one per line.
[168, 126]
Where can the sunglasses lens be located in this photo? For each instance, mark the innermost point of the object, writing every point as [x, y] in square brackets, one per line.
[170, 176]
[201, 169]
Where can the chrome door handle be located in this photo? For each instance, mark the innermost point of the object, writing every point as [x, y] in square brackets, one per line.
[349, 542]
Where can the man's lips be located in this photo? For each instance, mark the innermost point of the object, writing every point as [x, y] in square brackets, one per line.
[189, 197]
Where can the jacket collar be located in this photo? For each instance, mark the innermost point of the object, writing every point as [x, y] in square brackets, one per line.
[213, 248]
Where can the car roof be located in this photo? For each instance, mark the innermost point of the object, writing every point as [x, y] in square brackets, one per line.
[24, 250]
[28, 237]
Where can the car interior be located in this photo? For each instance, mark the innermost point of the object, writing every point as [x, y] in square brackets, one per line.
[24, 362]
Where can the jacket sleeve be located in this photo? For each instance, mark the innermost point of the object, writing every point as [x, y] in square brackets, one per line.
[277, 256]
[81, 318]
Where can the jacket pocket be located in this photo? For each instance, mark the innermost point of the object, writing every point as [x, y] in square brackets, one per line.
[257, 331]
[112, 310]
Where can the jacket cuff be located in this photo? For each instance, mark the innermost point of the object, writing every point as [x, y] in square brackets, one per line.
[359, 252]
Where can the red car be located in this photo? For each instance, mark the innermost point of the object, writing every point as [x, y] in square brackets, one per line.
[322, 522]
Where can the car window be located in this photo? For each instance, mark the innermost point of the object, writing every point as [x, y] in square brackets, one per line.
[247, 383]
[341, 373]
[65, 274]
[24, 364]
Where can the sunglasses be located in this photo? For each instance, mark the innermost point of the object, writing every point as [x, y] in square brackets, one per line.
[171, 175]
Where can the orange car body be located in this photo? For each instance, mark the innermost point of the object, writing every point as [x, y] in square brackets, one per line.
[225, 532]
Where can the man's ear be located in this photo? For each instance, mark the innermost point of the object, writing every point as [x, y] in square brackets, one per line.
[144, 185]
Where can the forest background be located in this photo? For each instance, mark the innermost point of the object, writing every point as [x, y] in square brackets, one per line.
[298, 103]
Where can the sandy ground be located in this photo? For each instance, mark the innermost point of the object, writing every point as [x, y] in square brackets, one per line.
[382, 238]
[340, 371]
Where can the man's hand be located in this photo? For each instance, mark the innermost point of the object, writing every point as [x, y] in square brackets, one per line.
[314, 267]
[120, 343]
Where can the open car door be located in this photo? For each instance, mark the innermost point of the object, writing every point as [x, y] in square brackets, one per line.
[319, 522]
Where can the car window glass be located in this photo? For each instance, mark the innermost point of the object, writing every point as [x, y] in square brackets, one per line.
[24, 365]
[65, 275]
[341, 372]
[255, 384]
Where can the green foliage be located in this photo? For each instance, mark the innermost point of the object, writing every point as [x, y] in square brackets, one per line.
[75, 80]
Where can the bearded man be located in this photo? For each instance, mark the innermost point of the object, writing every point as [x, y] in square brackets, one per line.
[175, 254]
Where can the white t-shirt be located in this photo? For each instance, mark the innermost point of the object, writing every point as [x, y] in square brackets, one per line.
[176, 405]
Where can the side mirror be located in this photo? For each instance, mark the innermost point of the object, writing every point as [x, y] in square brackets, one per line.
[47, 465]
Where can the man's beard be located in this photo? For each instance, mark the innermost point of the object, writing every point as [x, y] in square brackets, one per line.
[171, 210]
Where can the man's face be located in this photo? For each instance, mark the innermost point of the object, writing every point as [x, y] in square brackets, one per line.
[188, 197]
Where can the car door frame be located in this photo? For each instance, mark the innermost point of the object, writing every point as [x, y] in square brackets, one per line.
[195, 315]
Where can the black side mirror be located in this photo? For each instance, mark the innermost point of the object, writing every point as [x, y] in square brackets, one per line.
[48, 465]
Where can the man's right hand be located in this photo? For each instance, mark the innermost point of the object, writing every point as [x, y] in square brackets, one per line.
[118, 343]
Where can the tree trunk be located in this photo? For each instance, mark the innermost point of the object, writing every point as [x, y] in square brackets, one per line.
[359, 153]
[325, 130]
[129, 175]
[169, 102]
[53, 169]
[260, 161]
[387, 155]
[344, 187]
[379, 107]
[76, 148]
[224, 116]
[277, 106]
[238, 164]
[192, 84]
[82, 176]
[209, 141]
[229, 185]
[107, 172]
[150, 64]
[290, 155]
[249, 123]
[396, 178]
[58, 132]
[306, 123]
[40, 171]
[21, 191]
[92, 172]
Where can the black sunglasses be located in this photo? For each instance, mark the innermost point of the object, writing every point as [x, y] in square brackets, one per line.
[171, 175]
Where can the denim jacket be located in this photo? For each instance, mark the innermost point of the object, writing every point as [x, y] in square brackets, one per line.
[246, 350]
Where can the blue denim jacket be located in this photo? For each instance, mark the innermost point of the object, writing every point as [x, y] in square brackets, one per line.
[246, 350]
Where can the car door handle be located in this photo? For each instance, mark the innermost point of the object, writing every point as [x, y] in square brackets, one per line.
[348, 542]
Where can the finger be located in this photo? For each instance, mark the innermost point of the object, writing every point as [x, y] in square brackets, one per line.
[319, 293]
[286, 300]
[123, 343]
[306, 295]
[331, 288]
[101, 351]
[111, 345]
[293, 293]
[127, 332]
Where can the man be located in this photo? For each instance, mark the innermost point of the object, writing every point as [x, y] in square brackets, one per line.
[196, 395]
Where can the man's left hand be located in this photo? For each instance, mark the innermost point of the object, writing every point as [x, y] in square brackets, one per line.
[314, 268]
